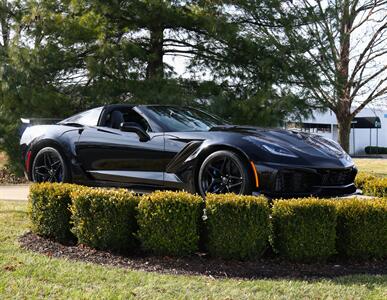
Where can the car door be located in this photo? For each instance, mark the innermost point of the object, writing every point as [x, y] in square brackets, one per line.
[109, 154]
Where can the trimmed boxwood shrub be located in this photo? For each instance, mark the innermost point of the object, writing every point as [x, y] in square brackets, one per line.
[362, 178]
[238, 226]
[375, 150]
[376, 187]
[48, 206]
[304, 229]
[169, 223]
[362, 228]
[105, 219]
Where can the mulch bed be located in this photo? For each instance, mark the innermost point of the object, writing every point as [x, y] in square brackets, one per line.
[6, 177]
[201, 264]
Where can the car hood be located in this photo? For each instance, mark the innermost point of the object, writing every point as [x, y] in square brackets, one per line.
[297, 142]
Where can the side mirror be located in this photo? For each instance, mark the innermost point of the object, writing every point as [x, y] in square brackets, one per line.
[133, 127]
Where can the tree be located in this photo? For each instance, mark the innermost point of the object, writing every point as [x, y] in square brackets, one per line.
[8, 130]
[29, 75]
[348, 53]
[69, 55]
[119, 50]
[127, 41]
[255, 68]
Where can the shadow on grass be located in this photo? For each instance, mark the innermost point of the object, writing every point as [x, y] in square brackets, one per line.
[14, 212]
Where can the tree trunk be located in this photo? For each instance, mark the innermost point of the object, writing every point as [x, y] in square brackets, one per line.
[344, 123]
[343, 89]
[155, 67]
[4, 22]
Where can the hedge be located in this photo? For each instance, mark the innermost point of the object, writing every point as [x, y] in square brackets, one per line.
[362, 228]
[375, 150]
[49, 210]
[362, 178]
[105, 219]
[304, 229]
[376, 187]
[237, 226]
[169, 223]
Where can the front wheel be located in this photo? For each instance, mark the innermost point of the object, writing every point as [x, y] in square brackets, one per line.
[224, 172]
[49, 166]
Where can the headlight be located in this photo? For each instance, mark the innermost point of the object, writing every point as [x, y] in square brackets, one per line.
[277, 150]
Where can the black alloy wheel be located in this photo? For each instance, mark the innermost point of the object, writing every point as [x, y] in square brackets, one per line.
[224, 172]
[49, 166]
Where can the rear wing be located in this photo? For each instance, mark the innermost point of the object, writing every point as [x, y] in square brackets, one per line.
[25, 123]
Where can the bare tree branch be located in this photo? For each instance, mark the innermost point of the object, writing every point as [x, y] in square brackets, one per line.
[374, 95]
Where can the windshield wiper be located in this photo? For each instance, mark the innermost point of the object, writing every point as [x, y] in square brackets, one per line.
[231, 128]
[223, 127]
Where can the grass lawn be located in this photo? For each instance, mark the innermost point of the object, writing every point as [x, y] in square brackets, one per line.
[374, 165]
[24, 274]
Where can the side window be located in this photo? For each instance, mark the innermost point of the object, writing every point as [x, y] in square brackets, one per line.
[133, 117]
[116, 117]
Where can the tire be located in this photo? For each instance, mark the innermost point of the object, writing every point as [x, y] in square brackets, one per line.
[49, 166]
[224, 172]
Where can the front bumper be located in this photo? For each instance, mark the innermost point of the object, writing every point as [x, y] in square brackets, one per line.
[286, 181]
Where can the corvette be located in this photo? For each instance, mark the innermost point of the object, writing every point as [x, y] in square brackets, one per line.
[149, 147]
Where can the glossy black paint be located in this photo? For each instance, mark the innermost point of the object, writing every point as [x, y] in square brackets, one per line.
[103, 156]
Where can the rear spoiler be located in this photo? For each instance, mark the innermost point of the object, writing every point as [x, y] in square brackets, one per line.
[25, 123]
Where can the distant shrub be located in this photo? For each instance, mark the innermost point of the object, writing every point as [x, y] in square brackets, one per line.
[304, 229]
[105, 219]
[49, 210]
[376, 187]
[375, 150]
[169, 223]
[362, 228]
[238, 226]
[362, 178]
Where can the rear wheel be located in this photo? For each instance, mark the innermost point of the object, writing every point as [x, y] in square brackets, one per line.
[224, 172]
[49, 166]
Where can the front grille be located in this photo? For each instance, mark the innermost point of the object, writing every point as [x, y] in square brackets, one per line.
[291, 181]
[303, 181]
[337, 177]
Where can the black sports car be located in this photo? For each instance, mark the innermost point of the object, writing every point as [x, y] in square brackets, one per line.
[170, 147]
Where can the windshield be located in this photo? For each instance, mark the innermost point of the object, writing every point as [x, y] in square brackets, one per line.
[86, 118]
[184, 118]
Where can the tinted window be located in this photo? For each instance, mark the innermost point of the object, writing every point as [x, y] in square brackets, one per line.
[87, 118]
[127, 115]
[184, 119]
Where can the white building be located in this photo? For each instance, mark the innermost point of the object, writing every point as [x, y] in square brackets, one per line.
[325, 124]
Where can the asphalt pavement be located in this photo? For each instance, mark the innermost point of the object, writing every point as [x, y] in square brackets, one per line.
[20, 192]
[14, 192]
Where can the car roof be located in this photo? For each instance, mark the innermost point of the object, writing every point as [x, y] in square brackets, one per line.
[110, 106]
